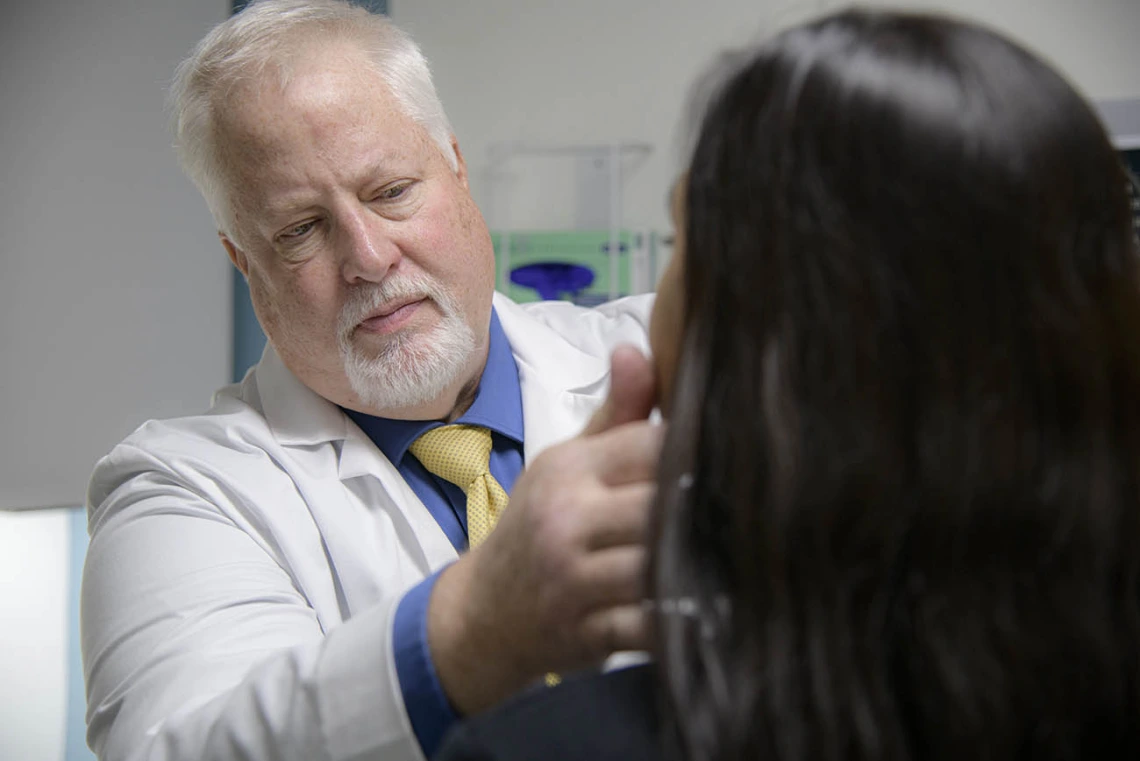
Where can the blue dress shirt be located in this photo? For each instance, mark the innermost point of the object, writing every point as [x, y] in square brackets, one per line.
[498, 407]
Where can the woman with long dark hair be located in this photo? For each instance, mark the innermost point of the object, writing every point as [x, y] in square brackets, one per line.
[899, 348]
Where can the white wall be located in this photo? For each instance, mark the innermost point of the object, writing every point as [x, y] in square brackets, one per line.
[602, 70]
[114, 292]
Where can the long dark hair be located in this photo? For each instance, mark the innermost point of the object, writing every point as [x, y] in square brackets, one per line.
[900, 511]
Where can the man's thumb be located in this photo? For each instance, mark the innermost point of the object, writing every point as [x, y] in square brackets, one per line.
[633, 391]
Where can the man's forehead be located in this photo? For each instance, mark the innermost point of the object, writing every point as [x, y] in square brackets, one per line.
[329, 119]
[326, 85]
[261, 124]
[271, 160]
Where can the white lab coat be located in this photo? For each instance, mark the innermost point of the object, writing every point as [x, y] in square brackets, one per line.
[245, 564]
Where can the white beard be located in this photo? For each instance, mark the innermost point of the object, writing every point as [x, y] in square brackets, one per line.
[412, 368]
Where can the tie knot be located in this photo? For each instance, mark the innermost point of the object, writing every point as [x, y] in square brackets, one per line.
[456, 453]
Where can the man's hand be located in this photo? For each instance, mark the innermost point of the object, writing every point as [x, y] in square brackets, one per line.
[558, 585]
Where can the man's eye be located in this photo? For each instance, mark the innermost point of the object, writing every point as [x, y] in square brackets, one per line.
[297, 231]
[393, 192]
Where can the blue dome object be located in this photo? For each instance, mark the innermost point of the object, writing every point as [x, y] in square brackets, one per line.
[552, 279]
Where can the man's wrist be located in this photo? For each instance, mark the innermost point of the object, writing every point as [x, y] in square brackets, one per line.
[428, 709]
[474, 659]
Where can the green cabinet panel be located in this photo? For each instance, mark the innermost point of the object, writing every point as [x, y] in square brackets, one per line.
[589, 248]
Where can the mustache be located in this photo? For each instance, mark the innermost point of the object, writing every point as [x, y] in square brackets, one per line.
[367, 299]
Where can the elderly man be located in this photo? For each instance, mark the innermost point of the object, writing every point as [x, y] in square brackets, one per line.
[285, 576]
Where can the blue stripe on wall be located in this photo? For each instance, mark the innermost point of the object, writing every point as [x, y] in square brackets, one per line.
[248, 339]
[75, 740]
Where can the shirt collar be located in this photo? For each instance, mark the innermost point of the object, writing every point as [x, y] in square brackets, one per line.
[497, 405]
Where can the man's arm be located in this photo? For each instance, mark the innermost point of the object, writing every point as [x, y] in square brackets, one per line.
[197, 645]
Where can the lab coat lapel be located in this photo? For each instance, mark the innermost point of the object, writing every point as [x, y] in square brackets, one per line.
[329, 454]
[409, 517]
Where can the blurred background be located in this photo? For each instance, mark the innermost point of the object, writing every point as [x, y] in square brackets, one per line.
[117, 304]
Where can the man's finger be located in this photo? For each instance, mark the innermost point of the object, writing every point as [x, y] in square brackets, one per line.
[627, 454]
[632, 394]
[614, 577]
[612, 630]
[624, 519]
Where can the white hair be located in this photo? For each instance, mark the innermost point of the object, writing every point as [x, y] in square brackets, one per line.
[265, 36]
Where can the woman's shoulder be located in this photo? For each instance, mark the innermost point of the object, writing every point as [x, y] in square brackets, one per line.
[598, 716]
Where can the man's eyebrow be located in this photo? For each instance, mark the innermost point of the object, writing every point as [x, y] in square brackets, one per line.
[290, 202]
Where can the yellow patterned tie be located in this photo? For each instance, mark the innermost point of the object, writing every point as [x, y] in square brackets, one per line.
[461, 454]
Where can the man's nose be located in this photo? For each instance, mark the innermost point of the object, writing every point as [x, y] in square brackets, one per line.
[368, 248]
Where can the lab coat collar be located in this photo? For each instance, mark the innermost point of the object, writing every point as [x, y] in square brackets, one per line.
[297, 415]
[561, 385]
[541, 348]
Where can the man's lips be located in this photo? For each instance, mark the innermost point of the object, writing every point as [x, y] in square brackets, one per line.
[391, 317]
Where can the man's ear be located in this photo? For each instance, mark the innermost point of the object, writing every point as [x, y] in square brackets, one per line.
[461, 165]
[237, 256]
